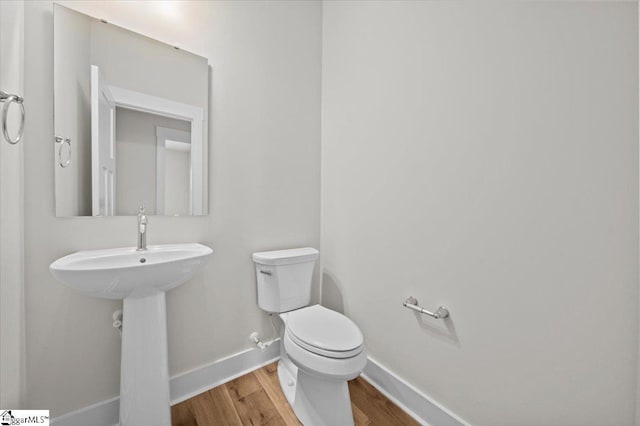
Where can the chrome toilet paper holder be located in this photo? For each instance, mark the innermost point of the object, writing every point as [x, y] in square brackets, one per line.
[412, 303]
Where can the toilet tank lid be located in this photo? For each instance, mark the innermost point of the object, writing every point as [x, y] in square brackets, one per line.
[286, 257]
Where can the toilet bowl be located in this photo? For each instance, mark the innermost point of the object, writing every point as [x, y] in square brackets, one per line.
[320, 349]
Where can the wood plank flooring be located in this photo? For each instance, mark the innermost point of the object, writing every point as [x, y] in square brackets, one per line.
[256, 399]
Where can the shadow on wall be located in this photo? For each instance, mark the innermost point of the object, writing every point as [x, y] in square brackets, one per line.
[442, 329]
[332, 298]
[331, 293]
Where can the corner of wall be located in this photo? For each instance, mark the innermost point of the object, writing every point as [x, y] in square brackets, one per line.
[12, 364]
[638, 354]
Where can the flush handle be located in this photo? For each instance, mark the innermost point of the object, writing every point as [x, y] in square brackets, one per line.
[265, 272]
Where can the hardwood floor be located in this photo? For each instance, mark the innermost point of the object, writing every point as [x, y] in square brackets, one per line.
[256, 399]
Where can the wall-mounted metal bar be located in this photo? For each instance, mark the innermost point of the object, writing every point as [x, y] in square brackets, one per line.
[8, 99]
[412, 303]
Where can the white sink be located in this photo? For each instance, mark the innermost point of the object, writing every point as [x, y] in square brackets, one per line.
[125, 272]
[140, 278]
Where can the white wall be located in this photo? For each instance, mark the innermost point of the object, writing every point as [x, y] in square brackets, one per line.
[136, 160]
[484, 155]
[501, 232]
[12, 351]
[72, 62]
[177, 177]
[126, 60]
[264, 191]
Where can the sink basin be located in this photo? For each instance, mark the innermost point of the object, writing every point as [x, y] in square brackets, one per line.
[141, 279]
[123, 272]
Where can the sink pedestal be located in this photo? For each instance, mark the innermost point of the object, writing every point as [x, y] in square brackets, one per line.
[144, 371]
[140, 278]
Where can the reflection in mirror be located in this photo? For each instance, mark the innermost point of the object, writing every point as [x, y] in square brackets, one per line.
[135, 110]
[158, 184]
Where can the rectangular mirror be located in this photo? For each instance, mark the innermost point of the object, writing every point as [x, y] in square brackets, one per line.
[130, 122]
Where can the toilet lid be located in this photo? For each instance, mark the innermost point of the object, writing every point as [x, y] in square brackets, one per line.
[317, 327]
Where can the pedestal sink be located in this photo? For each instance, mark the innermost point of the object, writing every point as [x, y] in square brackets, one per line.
[141, 279]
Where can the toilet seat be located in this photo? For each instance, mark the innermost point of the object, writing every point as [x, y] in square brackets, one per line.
[324, 332]
[323, 366]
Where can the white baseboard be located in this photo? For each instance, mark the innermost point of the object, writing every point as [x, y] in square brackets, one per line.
[191, 383]
[103, 413]
[183, 386]
[418, 405]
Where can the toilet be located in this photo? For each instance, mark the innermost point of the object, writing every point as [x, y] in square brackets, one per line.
[320, 349]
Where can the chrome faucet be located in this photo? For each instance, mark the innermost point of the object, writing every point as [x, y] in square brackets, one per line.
[142, 229]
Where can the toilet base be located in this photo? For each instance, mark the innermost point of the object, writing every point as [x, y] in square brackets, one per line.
[316, 401]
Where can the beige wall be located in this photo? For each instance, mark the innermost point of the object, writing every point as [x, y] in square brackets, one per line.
[484, 155]
[264, 193]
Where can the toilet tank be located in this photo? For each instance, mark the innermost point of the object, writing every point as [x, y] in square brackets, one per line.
[284, 278]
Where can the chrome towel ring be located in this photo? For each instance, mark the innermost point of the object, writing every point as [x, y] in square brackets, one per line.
[7, 99]
[64, 141]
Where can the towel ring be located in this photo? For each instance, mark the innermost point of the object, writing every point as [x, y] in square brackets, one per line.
[64, 141]
[8, 99]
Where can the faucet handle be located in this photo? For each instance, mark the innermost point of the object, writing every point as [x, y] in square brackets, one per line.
[142, 229]
[142, 217]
